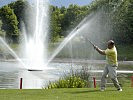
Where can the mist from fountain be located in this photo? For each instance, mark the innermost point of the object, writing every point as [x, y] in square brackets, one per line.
[71, 35]
[61, 46]
[92, 27]
[11, 51]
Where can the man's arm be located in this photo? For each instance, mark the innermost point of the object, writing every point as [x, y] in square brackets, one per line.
[102, 52]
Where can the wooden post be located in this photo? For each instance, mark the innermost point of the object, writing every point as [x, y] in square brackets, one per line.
[21, 81]
[94, 81]
[131, 81]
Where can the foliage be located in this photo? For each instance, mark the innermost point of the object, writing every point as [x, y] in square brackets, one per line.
[125, 52]
[55, 24]
[19, 9]
[68, 82]
[121, 15]
[2, 32]
[122, 21]
[10, 22]
[74, 80]
[74, 14]
[64, 18]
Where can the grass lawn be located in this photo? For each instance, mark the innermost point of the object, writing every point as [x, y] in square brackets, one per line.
[67, 94]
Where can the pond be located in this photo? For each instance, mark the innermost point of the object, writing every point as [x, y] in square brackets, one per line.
[11, 72]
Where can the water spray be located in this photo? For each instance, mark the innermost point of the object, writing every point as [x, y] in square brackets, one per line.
[12, 52]
[81, 26]
[89, 41]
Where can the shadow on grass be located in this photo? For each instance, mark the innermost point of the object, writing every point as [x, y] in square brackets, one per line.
[87, 91]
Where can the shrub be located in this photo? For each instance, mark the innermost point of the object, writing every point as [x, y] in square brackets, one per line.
[74, 80]
[68, 82]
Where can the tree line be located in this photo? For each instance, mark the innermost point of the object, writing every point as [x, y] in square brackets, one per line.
[64, 18]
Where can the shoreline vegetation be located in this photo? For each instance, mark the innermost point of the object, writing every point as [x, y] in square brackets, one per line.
[124, 53]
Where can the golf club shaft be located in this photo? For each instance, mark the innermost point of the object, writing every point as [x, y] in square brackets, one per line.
[91, 42]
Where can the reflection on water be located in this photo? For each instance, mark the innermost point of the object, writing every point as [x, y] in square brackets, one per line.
[11, 72]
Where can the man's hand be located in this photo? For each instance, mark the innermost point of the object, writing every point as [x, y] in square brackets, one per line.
[99, 50]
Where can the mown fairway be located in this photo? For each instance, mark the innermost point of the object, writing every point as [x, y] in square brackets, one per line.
[67, 94]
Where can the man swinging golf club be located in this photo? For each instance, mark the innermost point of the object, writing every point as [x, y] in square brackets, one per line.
[111, 66]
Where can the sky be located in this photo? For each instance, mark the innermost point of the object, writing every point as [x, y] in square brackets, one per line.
[68, 2]
[56, 2]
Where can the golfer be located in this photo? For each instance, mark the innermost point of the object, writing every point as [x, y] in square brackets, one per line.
[111, 65]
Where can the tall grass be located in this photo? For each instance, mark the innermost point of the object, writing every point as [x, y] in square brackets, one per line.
[75, 79]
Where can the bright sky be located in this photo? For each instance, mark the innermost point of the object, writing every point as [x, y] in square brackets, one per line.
[56, 2]
[68, 2]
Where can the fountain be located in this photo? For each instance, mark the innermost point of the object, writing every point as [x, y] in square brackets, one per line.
[35, 44]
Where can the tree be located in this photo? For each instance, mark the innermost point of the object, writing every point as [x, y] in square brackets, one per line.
[10, 23]
[122, 21]
[55, 29]
[2, 32]
[19, 10]
[120, 14]
[72, 17]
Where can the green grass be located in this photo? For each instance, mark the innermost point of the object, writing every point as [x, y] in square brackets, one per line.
[67, 94]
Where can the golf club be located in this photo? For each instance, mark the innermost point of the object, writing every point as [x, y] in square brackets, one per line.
[91, 42]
